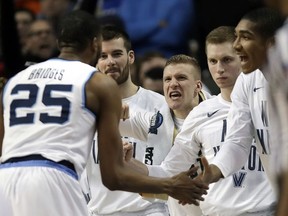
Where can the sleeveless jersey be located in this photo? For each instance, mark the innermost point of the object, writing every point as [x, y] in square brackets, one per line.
[45, 113]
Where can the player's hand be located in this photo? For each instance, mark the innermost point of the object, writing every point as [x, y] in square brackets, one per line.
[188, 190]
[211, 172]
[207, 174]
[127, 151]
[125, 112]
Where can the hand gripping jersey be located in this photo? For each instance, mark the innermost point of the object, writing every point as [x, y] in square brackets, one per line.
[203, 133]
[46, 105]
[106, 202]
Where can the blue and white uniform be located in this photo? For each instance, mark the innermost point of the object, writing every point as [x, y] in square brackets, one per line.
[47, 134]
[121, 203]
[248, 118]
[203, 133]
[159, 130]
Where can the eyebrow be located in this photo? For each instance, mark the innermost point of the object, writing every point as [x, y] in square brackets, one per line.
[245, 32]
[118, 50]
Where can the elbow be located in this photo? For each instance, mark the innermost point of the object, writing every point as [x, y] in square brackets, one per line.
[113, 182]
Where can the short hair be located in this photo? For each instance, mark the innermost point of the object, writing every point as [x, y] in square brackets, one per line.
[220, 35]
[267, 21]
[185, 59]
[27, 11]
[110, 32]
[77, 29]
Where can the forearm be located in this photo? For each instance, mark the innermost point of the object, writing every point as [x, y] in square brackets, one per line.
[137, 166]
[230, 158]
[216, 174]
[180, 186]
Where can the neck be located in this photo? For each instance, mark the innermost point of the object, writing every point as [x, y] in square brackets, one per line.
[128, 89]
[226, 93]
[69, 53]
[183, 113]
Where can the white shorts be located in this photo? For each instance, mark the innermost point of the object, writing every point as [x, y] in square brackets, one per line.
[5, 205]
[42, 188]
[155, 209]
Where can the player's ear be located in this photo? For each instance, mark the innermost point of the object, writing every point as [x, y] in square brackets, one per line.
[131, 56]
[198, 86]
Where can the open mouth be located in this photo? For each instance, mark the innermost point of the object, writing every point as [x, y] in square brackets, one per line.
[175, 95]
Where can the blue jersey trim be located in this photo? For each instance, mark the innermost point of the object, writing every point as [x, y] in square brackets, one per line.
[84, 95]
[41, 163]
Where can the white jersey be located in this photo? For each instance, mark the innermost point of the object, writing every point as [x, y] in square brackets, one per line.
[106, 202]
[45, 117]
[248, 118]
[159, 129]
[48, 101]
[203, 133]
[278, 74]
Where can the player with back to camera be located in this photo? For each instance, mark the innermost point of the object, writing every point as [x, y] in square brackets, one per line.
[50, 112]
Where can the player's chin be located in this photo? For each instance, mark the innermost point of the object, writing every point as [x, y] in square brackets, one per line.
[174, 105]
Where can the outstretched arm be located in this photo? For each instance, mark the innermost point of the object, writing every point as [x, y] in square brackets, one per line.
[104, 99]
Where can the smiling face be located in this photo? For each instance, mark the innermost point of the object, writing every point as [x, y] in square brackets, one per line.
[180, 86]
[224, 65]
[115, 60]
[250, 46]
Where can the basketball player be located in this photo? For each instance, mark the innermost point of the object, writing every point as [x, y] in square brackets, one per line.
[248, 116]
[182, 89]
[116, 60]
[48, 120]
[203, 133]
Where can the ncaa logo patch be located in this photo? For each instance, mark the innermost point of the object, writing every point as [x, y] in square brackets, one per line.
[155, 123]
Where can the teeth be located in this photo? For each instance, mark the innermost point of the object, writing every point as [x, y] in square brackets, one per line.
[175, 94]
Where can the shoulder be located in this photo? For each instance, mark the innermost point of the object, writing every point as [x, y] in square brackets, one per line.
[101, 88]
[245, 82]
[151, 96]
[207, 105]
[205, 95]
[150, 93]
[102, 82]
